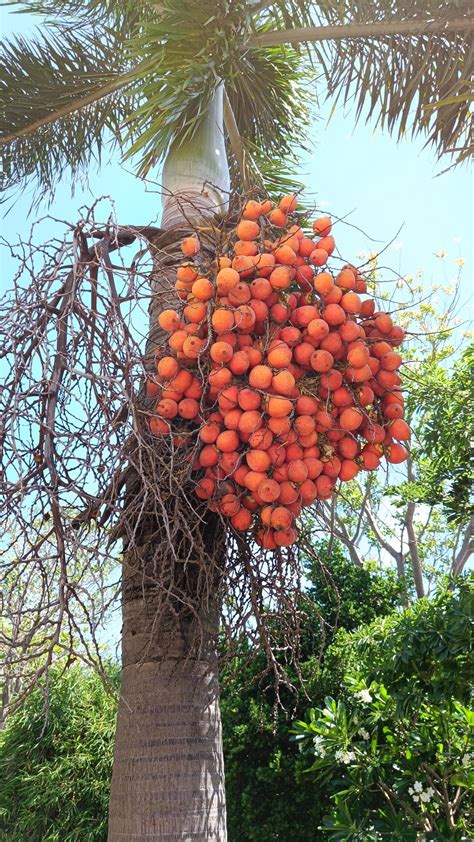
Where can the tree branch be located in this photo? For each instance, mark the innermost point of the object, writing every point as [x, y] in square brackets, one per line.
[412, 538]
[465, 550]
[342, 534]
[377, 29]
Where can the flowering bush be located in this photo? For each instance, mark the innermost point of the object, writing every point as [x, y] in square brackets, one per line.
[399, 764]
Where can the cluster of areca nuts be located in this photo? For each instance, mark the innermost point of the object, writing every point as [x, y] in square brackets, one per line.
[277, 367]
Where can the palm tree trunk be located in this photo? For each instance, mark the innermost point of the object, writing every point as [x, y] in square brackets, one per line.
[168, 773]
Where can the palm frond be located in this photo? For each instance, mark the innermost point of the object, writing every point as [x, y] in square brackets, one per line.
[396, 78]
[40, 81]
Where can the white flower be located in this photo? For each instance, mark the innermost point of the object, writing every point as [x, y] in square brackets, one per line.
[364, 696]
[364, 734]
[416, 798]
[410, 790]
[345, 756]
[466, 759]
[301, 746]
[319, 749]
[425, 797]
[418, 786]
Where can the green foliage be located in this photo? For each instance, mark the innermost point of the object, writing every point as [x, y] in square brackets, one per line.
[58, 781]
[392, 748]
[268, 795]
[444, 403]
[56, 761]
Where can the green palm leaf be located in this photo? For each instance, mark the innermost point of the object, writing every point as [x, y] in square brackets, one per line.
[60, 103]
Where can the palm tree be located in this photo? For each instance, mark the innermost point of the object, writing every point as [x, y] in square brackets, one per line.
[220, 91]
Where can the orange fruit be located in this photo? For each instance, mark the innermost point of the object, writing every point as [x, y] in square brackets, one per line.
[322, 226]
[322, 361]
[248, 399]
[278, 218]
[260, 377]
[346, 279]
[288, 204]
[334, 315]
[252, 210]
[202, 289]
[222, 320]
[258, 460]
[399, 429]
[350, 419]
[167, 408]
[169, 320]
[279, 356]
[279, 407]
[268, 490]
[190, 246]
[242, 520]
[281, 277]
[319, 257]
[247, 229]
[250, 420]
[221, 352]
[297, 471]
[167, 367]
[205, 488]
[188, 408]
[327, 243]
[158, 426]
[283, 383]
[227, 279]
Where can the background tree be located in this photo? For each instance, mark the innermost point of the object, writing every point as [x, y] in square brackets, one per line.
[145, 74]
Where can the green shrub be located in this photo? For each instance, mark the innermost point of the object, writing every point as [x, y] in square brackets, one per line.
[56, 762]
[393, 749]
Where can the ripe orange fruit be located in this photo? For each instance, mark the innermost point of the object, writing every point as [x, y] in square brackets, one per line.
[192, 347]
[169, 320]
[260, 377]
[322, 361]
[222, 320]
[281, 277]
[350, 419]
[221, 352]
[158, 426]
[358, 355]
[285, 255]
[242, 520]
[399, 429]
[268, 490]
[243, 265]
[219, 378]
[188, 408]
[283, 383]
[252, 210]
[279, 407]
[205, 488]
[327, 243]
[261, 439]
[319, 257]
[202, 289]
[167, 408]
[349, 469]
[334, 315]
[247, 230]
[279, 356]
[167, 367]
[318, 329]
[190, 246]
[346, 279]
[322, 226]
[245, 247]
[288, 204]
[258, 460]
[250, 420]
[239, 363]
[396, 453]
[227, 279]
[280, 518]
